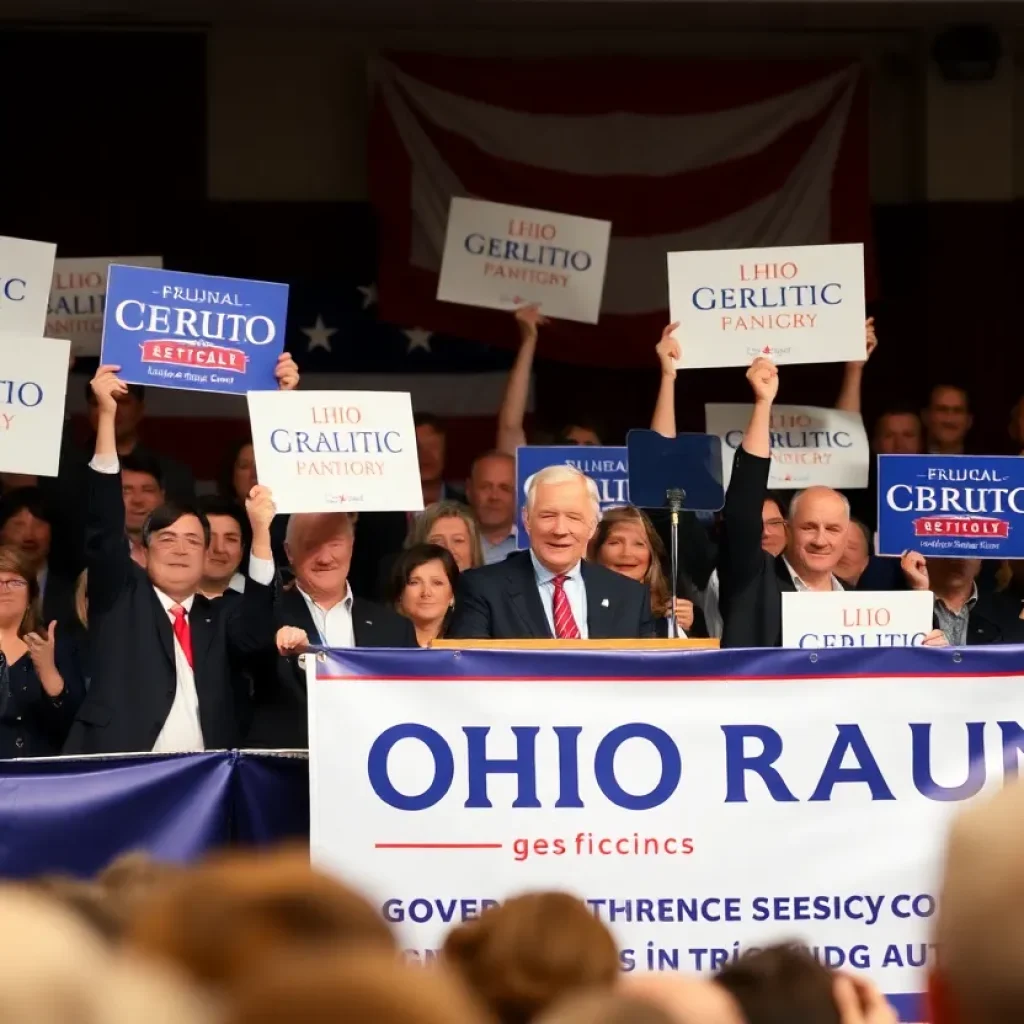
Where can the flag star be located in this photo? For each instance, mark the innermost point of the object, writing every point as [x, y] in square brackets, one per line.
[369, 293]
[418, 338]
[319, 335]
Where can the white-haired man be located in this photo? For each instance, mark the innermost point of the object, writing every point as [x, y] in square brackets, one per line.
[752, 579]
[549, 591]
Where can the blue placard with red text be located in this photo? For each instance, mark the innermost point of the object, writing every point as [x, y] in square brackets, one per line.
[189, 331]
[951, 506]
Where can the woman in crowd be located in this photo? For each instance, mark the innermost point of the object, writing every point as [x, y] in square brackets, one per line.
[627, 543]
[40, 684]
[422, 588]
[451, 525]
[238, 473]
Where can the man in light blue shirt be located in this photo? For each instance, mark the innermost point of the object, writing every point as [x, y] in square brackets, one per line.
[491, 491]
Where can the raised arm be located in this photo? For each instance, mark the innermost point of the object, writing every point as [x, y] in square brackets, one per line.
[664, 418]
[511, 434]
[853, 373]
[250, 627]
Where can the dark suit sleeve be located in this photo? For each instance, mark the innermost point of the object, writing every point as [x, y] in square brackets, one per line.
[882, 574]
[408, 633]
[740, 558]
[648, 627]
[107, 557]
[472, 618]
[250, 624]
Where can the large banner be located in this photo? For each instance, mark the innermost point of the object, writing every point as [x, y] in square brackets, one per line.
[951, 506]
[700, 802]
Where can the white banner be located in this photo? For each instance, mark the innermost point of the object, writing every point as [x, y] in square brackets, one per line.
[797, 304]
[32, 403]
[336, 451]
[857, 618]
[77, 299]
[26, 269]
[810, 446]
[697, 816]
[503, 257]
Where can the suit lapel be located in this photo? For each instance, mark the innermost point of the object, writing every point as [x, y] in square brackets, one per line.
[600, 604]
[201, 628]
[525, 597]
[363, 619]
[164, 631]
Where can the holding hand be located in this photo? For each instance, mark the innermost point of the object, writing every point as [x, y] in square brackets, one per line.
[915, 569]
[41, 650]
[935, 638]
[684, 613]
[260, 508]
[291, 640]
[764, 380]
[287, 372]
[108, 388]
[530, 320]
[669, 351]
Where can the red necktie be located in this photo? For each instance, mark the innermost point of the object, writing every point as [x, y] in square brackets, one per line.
[182, 631]
[565, 624]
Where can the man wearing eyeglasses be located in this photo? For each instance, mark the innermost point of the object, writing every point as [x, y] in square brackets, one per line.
[167, 661]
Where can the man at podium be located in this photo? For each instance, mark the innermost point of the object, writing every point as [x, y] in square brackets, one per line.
[550, 591]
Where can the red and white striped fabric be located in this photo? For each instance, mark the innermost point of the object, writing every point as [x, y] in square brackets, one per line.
[678, 156]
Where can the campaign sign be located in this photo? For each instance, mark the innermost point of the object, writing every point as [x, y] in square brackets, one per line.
[504, 257]
[951, 506]
[698, 802]
[607, 467]
[26, 269]
[32, 403]
[856, 618]
[798, 304]
[336, 451]
[810, 446]
[196, 333]
[78, 297]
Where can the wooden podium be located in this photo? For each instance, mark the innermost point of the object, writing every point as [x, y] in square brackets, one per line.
[578, 645]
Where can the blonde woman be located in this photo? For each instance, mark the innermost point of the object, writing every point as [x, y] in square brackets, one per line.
[451, 525]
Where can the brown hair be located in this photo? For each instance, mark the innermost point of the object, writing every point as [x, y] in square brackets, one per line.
[524, 955]
[130, 881]
[781, 983]
[13, 561]
[655, 576]
[359, 988]
[424, 523]
[229, 918]
[605, 1008]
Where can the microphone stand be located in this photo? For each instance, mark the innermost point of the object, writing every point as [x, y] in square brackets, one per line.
[675, 497]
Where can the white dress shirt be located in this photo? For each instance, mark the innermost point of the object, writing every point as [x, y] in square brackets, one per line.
[801, 586]
[334, 624]
[181, 730]
[574, 588]
[709, 602]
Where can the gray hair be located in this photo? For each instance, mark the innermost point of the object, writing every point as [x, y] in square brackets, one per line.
[563, 474]
[298, 520]
[794, 501]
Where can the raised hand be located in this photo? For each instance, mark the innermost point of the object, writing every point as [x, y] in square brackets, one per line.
[291, 640]
[669, 351]
[287, 372]
[107, 388]
[530, 319]
[42, 649]
[915, 569]
[764, 379]
[260, 508]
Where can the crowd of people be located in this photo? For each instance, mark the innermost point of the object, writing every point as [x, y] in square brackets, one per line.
[261, 938]
[134, 617]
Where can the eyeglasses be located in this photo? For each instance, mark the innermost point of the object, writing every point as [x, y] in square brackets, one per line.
[13, 584]
[774, 524]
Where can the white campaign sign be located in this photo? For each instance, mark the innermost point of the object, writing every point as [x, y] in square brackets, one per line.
[697, 816]
[801, 304]
[77, 299]
[856, 618]
[503, 257]
[26, 269]
[336, 451]
[32, 403]
[810, 446]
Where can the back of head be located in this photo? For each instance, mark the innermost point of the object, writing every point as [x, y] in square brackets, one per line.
[134, 878]
[980, 923]
[685, 998]
[524, 955]
[360, 988]
[606, 1008]
[232, 916]
[782, 984]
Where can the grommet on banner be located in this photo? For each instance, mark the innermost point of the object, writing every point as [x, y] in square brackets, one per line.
[957, 657]
[814, 658]
[457, 654]
[321, 656]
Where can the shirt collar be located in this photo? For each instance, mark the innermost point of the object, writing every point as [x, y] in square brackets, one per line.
[346, 601]
[799, 583]
[169, 603]
[546, 575]
[968, 604]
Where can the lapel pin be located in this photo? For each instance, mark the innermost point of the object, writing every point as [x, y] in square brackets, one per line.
[604, 603]
[368, 622]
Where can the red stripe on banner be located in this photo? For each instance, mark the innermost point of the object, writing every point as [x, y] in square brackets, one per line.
[601, 85]
[637, 205]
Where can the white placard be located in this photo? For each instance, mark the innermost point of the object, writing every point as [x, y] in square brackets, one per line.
[26, 269]
[336, 451]
[857, 618]
[77, 298]
[32, 403]
[504, 257]
[798, 304]
[810, 446]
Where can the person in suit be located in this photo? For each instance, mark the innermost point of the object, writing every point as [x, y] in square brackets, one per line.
[229, 544]
[752, 580]
[550, 591]
[318, 607]
[165, 676]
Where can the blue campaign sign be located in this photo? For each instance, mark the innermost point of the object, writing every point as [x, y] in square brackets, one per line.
[174, 330]
[607, 467]
[951, 506]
